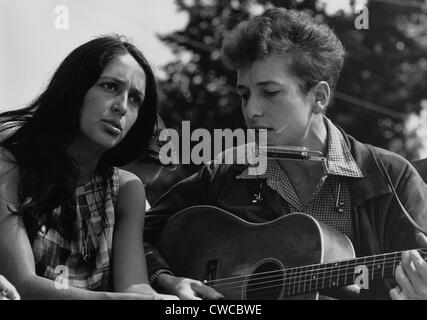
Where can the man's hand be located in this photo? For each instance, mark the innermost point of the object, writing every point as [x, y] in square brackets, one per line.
[186, 289]
[411, 276]
[7, 290]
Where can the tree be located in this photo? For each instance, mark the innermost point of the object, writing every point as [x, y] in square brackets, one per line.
[385, 65]
[384, 78]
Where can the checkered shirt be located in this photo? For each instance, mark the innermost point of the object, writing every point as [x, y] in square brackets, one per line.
[322, 206]
[56, 255]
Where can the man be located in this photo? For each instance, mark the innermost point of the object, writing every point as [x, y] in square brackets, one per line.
[287, 67]
[421, 166]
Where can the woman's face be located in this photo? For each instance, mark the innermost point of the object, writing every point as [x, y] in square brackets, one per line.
[111, 105]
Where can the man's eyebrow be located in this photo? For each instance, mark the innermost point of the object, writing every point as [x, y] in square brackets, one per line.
[267, 82]
[261, 83]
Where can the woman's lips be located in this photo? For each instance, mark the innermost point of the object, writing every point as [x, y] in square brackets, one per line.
[112, 127]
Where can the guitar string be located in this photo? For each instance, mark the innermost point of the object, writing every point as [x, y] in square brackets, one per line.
[294, 290]
[279, 273]
[285, 291]
[288, 274]
[298, 279]
[332, 264]
[288, 285]
[327, 267]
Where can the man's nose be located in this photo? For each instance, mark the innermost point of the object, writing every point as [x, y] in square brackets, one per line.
[253, 107]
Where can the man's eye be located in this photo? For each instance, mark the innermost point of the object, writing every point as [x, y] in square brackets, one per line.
[244, 96]
[269, 93]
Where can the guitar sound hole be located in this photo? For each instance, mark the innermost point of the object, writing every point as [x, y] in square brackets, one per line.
[266, 282]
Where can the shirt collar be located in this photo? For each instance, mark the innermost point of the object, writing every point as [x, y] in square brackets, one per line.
[339, 160]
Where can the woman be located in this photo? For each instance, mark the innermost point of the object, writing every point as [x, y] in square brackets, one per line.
[7, 290]
[63, 222]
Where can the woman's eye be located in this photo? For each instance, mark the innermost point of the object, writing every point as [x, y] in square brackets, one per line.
[110, 86]
[136, 100]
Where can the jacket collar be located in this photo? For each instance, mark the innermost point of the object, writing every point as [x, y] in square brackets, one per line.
[372, 184]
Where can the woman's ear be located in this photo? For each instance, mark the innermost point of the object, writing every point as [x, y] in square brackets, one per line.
[321, 93]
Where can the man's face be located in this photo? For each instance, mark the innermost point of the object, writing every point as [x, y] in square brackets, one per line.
[272, 99]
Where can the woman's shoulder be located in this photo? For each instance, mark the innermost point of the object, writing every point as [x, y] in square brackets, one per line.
[7, 161]
[126, 177]
[132, 193]
[6, 155]
[9, 178]
[130, 184]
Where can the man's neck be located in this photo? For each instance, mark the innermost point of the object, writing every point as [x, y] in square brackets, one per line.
[317, 135]
[304, 174]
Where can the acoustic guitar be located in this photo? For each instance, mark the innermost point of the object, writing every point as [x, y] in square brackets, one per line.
[292, 257]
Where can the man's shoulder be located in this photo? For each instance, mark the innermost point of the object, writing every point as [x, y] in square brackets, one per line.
[370, 154]
[421, 167]
[395, 164]
[391, 158]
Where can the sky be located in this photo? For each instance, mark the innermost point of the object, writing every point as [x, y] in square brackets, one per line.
[32, 46]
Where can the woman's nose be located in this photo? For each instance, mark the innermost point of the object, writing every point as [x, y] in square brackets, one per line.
[120, 105]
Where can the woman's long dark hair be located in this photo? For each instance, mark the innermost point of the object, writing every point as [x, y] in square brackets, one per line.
[46, 128]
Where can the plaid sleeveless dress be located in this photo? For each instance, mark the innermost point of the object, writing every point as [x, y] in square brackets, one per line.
[83, 261]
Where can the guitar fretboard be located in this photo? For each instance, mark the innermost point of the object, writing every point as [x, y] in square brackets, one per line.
[300, 280]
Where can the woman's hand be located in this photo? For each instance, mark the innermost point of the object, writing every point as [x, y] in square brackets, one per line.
[186, 289]
[411, 276]
[149, 292]
[7, 290]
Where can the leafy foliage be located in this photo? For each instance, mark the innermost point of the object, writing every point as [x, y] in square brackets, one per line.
[384, 77]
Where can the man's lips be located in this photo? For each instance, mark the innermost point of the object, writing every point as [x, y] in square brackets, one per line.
[261, 128]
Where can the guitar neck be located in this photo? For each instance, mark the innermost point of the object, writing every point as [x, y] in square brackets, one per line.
[300, 280]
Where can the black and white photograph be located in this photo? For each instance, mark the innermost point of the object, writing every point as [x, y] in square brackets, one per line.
[213, 151]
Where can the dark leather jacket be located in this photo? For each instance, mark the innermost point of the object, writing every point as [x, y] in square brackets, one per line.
[379, 224]
[421, 166]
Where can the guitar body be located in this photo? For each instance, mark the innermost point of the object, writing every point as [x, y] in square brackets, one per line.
[232, 255]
